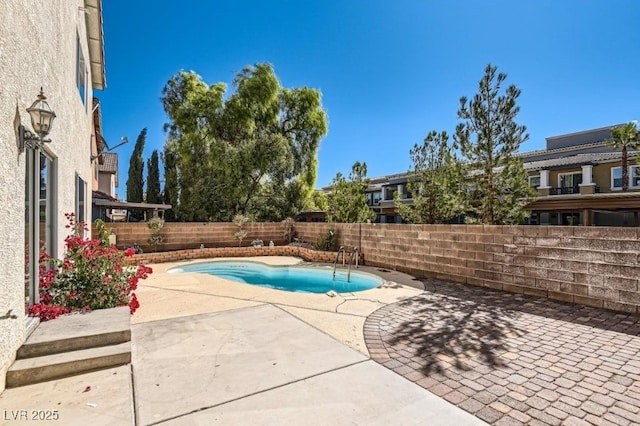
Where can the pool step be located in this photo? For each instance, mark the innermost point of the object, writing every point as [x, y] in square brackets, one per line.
[73, 344]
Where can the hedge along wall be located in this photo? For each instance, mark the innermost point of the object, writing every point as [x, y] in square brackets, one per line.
[594, 266]
[180, 236]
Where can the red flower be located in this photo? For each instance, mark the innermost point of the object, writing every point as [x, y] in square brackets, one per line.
[133, 304]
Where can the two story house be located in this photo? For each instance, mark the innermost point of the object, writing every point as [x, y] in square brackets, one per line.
[579, 182]
[45, 166]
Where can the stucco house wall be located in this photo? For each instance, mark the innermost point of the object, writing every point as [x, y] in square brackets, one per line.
[38, 48]
[107, 183]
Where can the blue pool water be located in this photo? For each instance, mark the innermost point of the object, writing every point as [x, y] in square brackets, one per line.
[289, 278]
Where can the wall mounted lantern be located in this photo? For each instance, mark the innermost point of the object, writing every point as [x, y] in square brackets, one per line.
[41, 120]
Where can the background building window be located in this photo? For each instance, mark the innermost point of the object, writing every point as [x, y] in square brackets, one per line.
[634, 176]
[616, 177]
[569, 180]
[534, 181]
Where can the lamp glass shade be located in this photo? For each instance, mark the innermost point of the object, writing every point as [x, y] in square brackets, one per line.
[41, 116]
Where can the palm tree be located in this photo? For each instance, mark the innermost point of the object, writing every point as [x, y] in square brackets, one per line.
[625, 137]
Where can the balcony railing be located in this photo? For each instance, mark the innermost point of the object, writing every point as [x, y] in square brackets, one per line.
[568, 190]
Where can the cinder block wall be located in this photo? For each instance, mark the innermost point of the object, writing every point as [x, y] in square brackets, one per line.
[594, 266]
[181, 236]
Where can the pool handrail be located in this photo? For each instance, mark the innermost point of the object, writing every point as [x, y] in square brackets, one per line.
[355, 250]
[335, 263]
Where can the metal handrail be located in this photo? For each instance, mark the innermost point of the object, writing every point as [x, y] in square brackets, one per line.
[355, 250]
[335, 263]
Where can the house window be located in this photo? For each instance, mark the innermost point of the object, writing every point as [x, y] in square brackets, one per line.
[81, 71]
[81, 190]
[40, 191]
[376, 197]
[634, 177]
[616, 177]
[534, 181]
[569, 180]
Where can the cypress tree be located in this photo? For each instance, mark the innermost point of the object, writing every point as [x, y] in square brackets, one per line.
[170, 192]
[135, 182]
[153, 180]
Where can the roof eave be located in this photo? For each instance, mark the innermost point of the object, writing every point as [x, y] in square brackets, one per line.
[95, 36]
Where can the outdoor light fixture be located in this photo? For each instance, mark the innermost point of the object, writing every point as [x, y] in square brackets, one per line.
[41, 120]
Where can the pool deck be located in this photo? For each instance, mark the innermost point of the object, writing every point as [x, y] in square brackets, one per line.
[206, 350]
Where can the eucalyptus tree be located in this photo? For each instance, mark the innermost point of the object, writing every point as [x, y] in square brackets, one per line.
[625, 138]
[489, 138]
[252, 152]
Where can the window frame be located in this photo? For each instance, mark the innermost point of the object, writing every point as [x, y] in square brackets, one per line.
[613, 187]
[560, 175]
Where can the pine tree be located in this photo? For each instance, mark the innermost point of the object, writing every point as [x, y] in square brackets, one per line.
[153, 180]
[135, 182]
[489, 137]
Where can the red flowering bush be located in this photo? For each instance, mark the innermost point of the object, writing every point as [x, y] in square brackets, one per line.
[92, 275]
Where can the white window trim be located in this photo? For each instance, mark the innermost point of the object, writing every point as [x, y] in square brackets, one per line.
[630, 176]
[566, 174]
[615, 188]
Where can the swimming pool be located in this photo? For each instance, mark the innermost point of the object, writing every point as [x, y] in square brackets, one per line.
[302, 279]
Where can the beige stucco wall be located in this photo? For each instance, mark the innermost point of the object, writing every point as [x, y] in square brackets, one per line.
[107, 183]
[37, 48]
[602, 175]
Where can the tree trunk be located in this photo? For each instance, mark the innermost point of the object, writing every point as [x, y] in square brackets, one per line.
[625, 169]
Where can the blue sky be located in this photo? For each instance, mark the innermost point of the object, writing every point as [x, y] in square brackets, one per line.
[389, 70]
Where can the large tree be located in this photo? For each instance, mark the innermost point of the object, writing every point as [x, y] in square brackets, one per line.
[625, 137]
[347, 201]
[488, 138]
[253, 152]
[435, 181]
[135, 181]
[153, 179]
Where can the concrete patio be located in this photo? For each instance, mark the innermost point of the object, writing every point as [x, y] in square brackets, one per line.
[207, 350]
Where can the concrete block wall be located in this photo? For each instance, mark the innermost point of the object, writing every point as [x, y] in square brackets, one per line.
[594, 266]
[181, 236]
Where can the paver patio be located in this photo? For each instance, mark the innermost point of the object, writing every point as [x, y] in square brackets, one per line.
[513, 359]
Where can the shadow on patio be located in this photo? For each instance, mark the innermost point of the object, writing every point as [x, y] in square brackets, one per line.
[447, 327]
